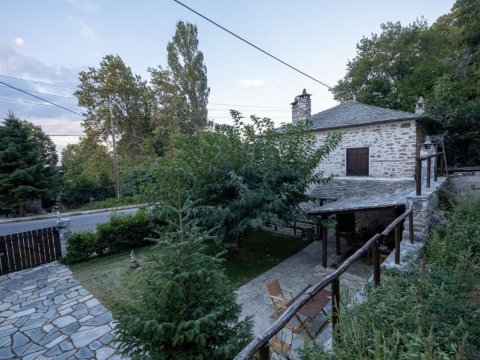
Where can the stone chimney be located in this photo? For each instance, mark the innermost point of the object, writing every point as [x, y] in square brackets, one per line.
[420, 107]
[301, 107]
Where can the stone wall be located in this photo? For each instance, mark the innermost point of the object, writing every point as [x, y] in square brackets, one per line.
[392, 148]
[374, 218]
[424, 207]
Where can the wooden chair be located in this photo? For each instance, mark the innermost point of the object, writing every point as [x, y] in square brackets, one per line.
[280, 347]
[277, 295]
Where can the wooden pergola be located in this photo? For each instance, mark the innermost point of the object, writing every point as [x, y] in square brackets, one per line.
[350, 205]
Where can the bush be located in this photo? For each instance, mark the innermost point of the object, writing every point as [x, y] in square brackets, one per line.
[81, 246]
[123, 232]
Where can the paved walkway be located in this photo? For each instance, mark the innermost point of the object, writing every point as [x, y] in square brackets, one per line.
[46, 314]
[295, 274]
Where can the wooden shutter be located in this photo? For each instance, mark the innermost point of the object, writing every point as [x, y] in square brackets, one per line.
[357, 162]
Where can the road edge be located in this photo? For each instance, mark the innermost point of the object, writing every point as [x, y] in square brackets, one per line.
[66, 214]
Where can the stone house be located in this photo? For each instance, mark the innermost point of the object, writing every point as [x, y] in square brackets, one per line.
[376, 142]
[372, 169]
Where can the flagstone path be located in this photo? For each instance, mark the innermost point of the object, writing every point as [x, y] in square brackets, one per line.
[295, 274]
[46, 314]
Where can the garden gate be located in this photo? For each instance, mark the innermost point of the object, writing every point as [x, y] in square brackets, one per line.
[29, 249]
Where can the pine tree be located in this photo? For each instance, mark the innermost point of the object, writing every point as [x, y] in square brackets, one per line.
[187, 310]
[25, 172]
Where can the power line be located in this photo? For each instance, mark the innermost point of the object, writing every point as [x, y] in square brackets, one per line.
[25, 102]
[72, 97]
[253, 106]
[249, 43]
[38, 97]
[38, 82]
[46, 93]
[249, 110]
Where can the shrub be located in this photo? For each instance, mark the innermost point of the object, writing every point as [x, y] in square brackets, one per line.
[123, 232]
[81, 246]
[187, 309]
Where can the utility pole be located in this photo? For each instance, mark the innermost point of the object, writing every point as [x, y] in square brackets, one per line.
[115, 160]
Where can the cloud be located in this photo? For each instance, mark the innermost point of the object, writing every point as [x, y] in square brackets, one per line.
[85, 29]
[52, 119]
[246, 83]
[19, 41]
[84, 5]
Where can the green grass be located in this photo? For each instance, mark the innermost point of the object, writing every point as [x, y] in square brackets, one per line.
[261, 250]
[107, 277]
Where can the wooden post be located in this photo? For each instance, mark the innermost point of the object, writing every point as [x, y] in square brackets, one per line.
[410, 227]
[429, 172]
[418, 176]
[435, 168]
[264, 352]
[398, 236]
[294, 228]
[441, 165]
[324, 242]
[335, 307]
[337, 236]
[376, 263]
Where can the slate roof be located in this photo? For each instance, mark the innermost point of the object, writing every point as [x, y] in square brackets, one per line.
[353, 113]
[355, 194]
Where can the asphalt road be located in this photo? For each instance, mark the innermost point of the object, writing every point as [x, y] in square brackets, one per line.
[79, 222]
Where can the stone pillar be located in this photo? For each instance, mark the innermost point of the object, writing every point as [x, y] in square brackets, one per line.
[423, 208]
[301, 107]
[64, 225]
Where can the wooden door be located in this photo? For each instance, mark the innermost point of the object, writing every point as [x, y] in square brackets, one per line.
[357, 162]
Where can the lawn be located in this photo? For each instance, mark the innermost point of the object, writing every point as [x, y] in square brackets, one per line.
[107, 277]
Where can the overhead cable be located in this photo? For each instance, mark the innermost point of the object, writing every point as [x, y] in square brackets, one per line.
[253, 45]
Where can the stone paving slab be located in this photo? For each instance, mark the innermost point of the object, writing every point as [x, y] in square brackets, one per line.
[46, 314]
[295, 274]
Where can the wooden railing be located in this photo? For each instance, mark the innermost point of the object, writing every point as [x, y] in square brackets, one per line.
[260, 344]
[418, 170]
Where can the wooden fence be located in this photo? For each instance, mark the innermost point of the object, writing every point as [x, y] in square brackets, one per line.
[260, 344]
[29, 249]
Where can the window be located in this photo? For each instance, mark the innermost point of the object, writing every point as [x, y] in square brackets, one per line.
[357, 162]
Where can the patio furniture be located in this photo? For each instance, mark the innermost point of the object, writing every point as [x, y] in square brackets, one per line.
[280, 347]
[308, 312]
[277, 295]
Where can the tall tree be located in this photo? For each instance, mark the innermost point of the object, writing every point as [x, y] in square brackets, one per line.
[187, 309]
[394, 68]
[181, 89]
[27, 168]
[113, 85]
[87, 173]
[439, 62]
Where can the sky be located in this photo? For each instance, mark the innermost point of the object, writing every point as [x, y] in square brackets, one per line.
[51, 41]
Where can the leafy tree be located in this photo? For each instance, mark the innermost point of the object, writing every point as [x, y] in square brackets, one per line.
[187, 310]
[87, 173]
[439, 62]
[134, 180]
[181, 89]
[27, 168]
[394, 68]
[243, 175]
[114, 85]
